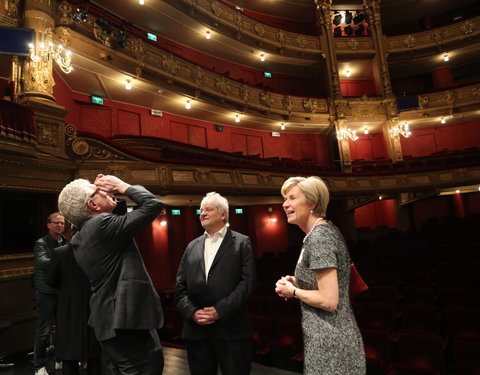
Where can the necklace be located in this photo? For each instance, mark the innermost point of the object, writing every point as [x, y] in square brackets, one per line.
[313, 227]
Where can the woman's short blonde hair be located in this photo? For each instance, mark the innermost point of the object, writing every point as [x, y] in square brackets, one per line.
[315, 190]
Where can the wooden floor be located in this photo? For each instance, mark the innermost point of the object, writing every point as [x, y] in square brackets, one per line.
[175, 364]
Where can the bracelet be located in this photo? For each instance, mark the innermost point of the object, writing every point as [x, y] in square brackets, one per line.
[295, 292]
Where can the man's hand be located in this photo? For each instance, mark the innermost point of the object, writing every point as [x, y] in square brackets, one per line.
[111, 184]
[205, 316]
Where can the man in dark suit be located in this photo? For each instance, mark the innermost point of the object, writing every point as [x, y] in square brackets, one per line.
[125, 308]
[214, 280]
[45, 295]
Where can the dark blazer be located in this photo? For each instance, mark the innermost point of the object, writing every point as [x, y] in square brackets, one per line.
[42, 251]
[231, 281]
[74, 339]
[123, 295]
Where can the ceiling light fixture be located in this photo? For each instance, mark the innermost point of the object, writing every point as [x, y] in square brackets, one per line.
[348, 74]
[141, 2]
[443, 121]
[282, 126]
[365, 131]
[208, 35]
[445, 57]
[402, 129]
[128, 85]
[237, 118]
[188, 105]
[262, 57]
[347, 133]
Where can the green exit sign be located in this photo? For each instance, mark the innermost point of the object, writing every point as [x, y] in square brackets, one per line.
[198, 211]
[175, 212]
[97, 99]
[267, 74]
[152, 37]
[239, 210]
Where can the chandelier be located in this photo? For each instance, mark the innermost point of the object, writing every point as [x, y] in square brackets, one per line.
[52, 52]
[402, 129]
[345, 133]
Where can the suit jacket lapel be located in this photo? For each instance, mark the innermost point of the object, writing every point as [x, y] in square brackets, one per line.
[226, 243]
[201, 249]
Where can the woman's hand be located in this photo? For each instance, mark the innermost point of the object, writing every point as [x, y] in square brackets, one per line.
[285, 288]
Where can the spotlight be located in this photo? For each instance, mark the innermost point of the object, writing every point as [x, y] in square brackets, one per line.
[79, 16]
[348, 17]
[359, 17]
[337, 19]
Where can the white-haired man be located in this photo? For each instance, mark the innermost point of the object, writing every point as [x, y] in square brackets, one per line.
[125, 308]
[214, 280]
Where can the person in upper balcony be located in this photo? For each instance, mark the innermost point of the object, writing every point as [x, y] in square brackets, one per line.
[125, 308]
[332, 341]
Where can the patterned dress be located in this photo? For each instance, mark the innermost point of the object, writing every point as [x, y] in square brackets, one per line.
[332, 340]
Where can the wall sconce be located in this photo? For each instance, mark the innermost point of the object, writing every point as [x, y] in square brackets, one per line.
[188, 105]
[208, 35]
[237, 118]
[348, 74]
[128, 85]
[52, 52]
[365, 131]
[163, 223]
[402, 129]
[443, 121]
[347, 133]
[262, 57]
[380, 197]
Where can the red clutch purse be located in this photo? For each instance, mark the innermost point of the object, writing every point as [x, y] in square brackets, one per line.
[357, 285]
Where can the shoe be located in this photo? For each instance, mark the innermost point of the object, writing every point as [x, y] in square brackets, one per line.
[58, 365]
[41, 371]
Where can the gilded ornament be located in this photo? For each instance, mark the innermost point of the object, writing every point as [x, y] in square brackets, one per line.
[198, 75]
[437, 37]
[216, 9]
[245, 93]
[102, 35]
[66, 12]
[266, 98]
[287, 103]
[309, 105]
[352, 44]
[281, 37]
[63, 35]
[80, 147]
[301, 42]
[12, 9]
[222, 85]
[409, 41]
[170, 64]
[259, 29]
[467, 27]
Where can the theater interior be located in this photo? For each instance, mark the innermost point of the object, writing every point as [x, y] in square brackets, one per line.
[381, 99]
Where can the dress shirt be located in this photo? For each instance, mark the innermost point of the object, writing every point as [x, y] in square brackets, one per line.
[212, 244]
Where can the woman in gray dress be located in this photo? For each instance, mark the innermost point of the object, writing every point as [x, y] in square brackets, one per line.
[332, 341]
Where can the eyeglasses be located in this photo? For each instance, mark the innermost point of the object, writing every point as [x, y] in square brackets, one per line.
[58, 222]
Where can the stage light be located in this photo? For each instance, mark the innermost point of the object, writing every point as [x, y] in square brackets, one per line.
[79, 16]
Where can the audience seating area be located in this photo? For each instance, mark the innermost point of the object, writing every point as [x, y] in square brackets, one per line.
[421, 314]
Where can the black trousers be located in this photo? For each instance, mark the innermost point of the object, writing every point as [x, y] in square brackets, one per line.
[233, 356]
[94, 367]
[46, 304]
[134, 352]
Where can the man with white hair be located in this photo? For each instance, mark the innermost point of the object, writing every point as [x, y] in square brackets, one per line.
[125, 308]
[214, 280]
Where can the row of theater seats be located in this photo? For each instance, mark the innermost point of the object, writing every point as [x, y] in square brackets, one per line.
[421, 314]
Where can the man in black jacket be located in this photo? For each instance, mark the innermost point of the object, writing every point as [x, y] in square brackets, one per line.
[46, 296]
[125, 308]
[214, 280]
